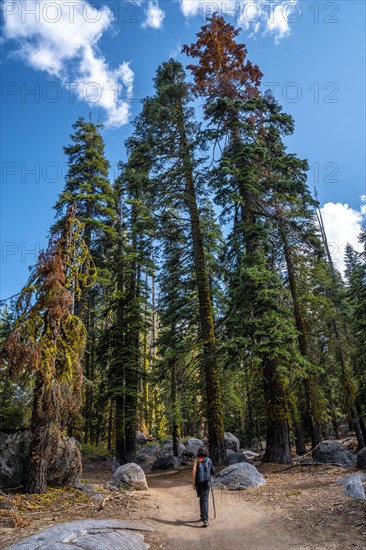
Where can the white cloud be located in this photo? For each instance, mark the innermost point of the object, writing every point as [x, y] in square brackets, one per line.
[190, 8]
[278, 24]
[61, 38]
[154, 16]
[342, 225]
[274, 17]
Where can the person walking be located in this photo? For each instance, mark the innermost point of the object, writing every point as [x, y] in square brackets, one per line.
[201, 479]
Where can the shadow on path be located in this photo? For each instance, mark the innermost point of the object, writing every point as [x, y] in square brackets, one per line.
[178, 522]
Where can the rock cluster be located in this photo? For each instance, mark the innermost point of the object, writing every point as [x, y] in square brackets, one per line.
[334, 452]
[353, 486]
[129, 476]
[64, 468]
[238, 476]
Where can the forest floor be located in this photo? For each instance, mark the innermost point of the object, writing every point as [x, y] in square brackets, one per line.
[298, 508]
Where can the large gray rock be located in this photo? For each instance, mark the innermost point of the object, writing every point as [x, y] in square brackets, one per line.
[355, 490]
[167, 449]
[231, 442]
[168, 462]
[150, 450]
[333, 451]
[64, 468]
[361, 459]
[250, 455]
[140, 438]
[353, 486]
[192, 445]
[145, 460]
[236, 458]
[239, 476]
[147, 455]
[86, 535]
[115, 464]
[14, 449]
[129, 476]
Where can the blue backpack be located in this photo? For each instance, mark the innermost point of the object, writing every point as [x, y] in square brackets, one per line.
[203, 472]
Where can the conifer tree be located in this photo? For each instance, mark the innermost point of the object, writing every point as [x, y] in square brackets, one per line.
[338, 321]
[166, 127]
[356, 297]
[48, 340]
[178, 313]
[255, 173]
[123, 339]
[87, 185]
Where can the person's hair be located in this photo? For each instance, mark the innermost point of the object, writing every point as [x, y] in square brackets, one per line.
[202, 451]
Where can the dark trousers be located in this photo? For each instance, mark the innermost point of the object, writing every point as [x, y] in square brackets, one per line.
[203, 492]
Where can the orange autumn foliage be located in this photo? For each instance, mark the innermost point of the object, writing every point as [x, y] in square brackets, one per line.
[223, 69]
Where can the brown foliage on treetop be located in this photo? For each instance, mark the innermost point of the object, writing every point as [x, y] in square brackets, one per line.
[222, 69]
[48, 338]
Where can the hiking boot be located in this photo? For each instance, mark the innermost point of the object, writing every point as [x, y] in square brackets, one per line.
[205, 523]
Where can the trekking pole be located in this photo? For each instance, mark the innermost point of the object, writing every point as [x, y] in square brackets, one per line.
[213, 501]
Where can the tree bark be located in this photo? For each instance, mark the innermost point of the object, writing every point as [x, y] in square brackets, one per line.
[278, 449]
[144, 422]
[120, 429]
[299, 439]
[36, 476]
[208, 338]
[174, 405]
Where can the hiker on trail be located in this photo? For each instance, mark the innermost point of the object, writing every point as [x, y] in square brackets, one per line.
[201, 480]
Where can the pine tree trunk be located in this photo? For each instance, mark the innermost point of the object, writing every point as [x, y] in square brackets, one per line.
[120, 370]
[153, 351]
[208, 339]
[132, 355]
[249, 416]
[348, 391]
[36, 476]
[110, 426]
[174, 405]
[131, 410]
[300, 439]
[298, 429]
[278, 448]
[332, 407]
[311, 393]
[120, 429]
[362, 423]
[145, 375]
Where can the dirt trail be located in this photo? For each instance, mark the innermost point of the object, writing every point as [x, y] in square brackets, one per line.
[296, 509]
[239, 523]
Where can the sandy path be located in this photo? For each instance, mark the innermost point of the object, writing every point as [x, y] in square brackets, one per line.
[297, 509]
[240, 524]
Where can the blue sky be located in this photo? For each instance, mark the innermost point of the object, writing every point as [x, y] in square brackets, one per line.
[63, 59]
